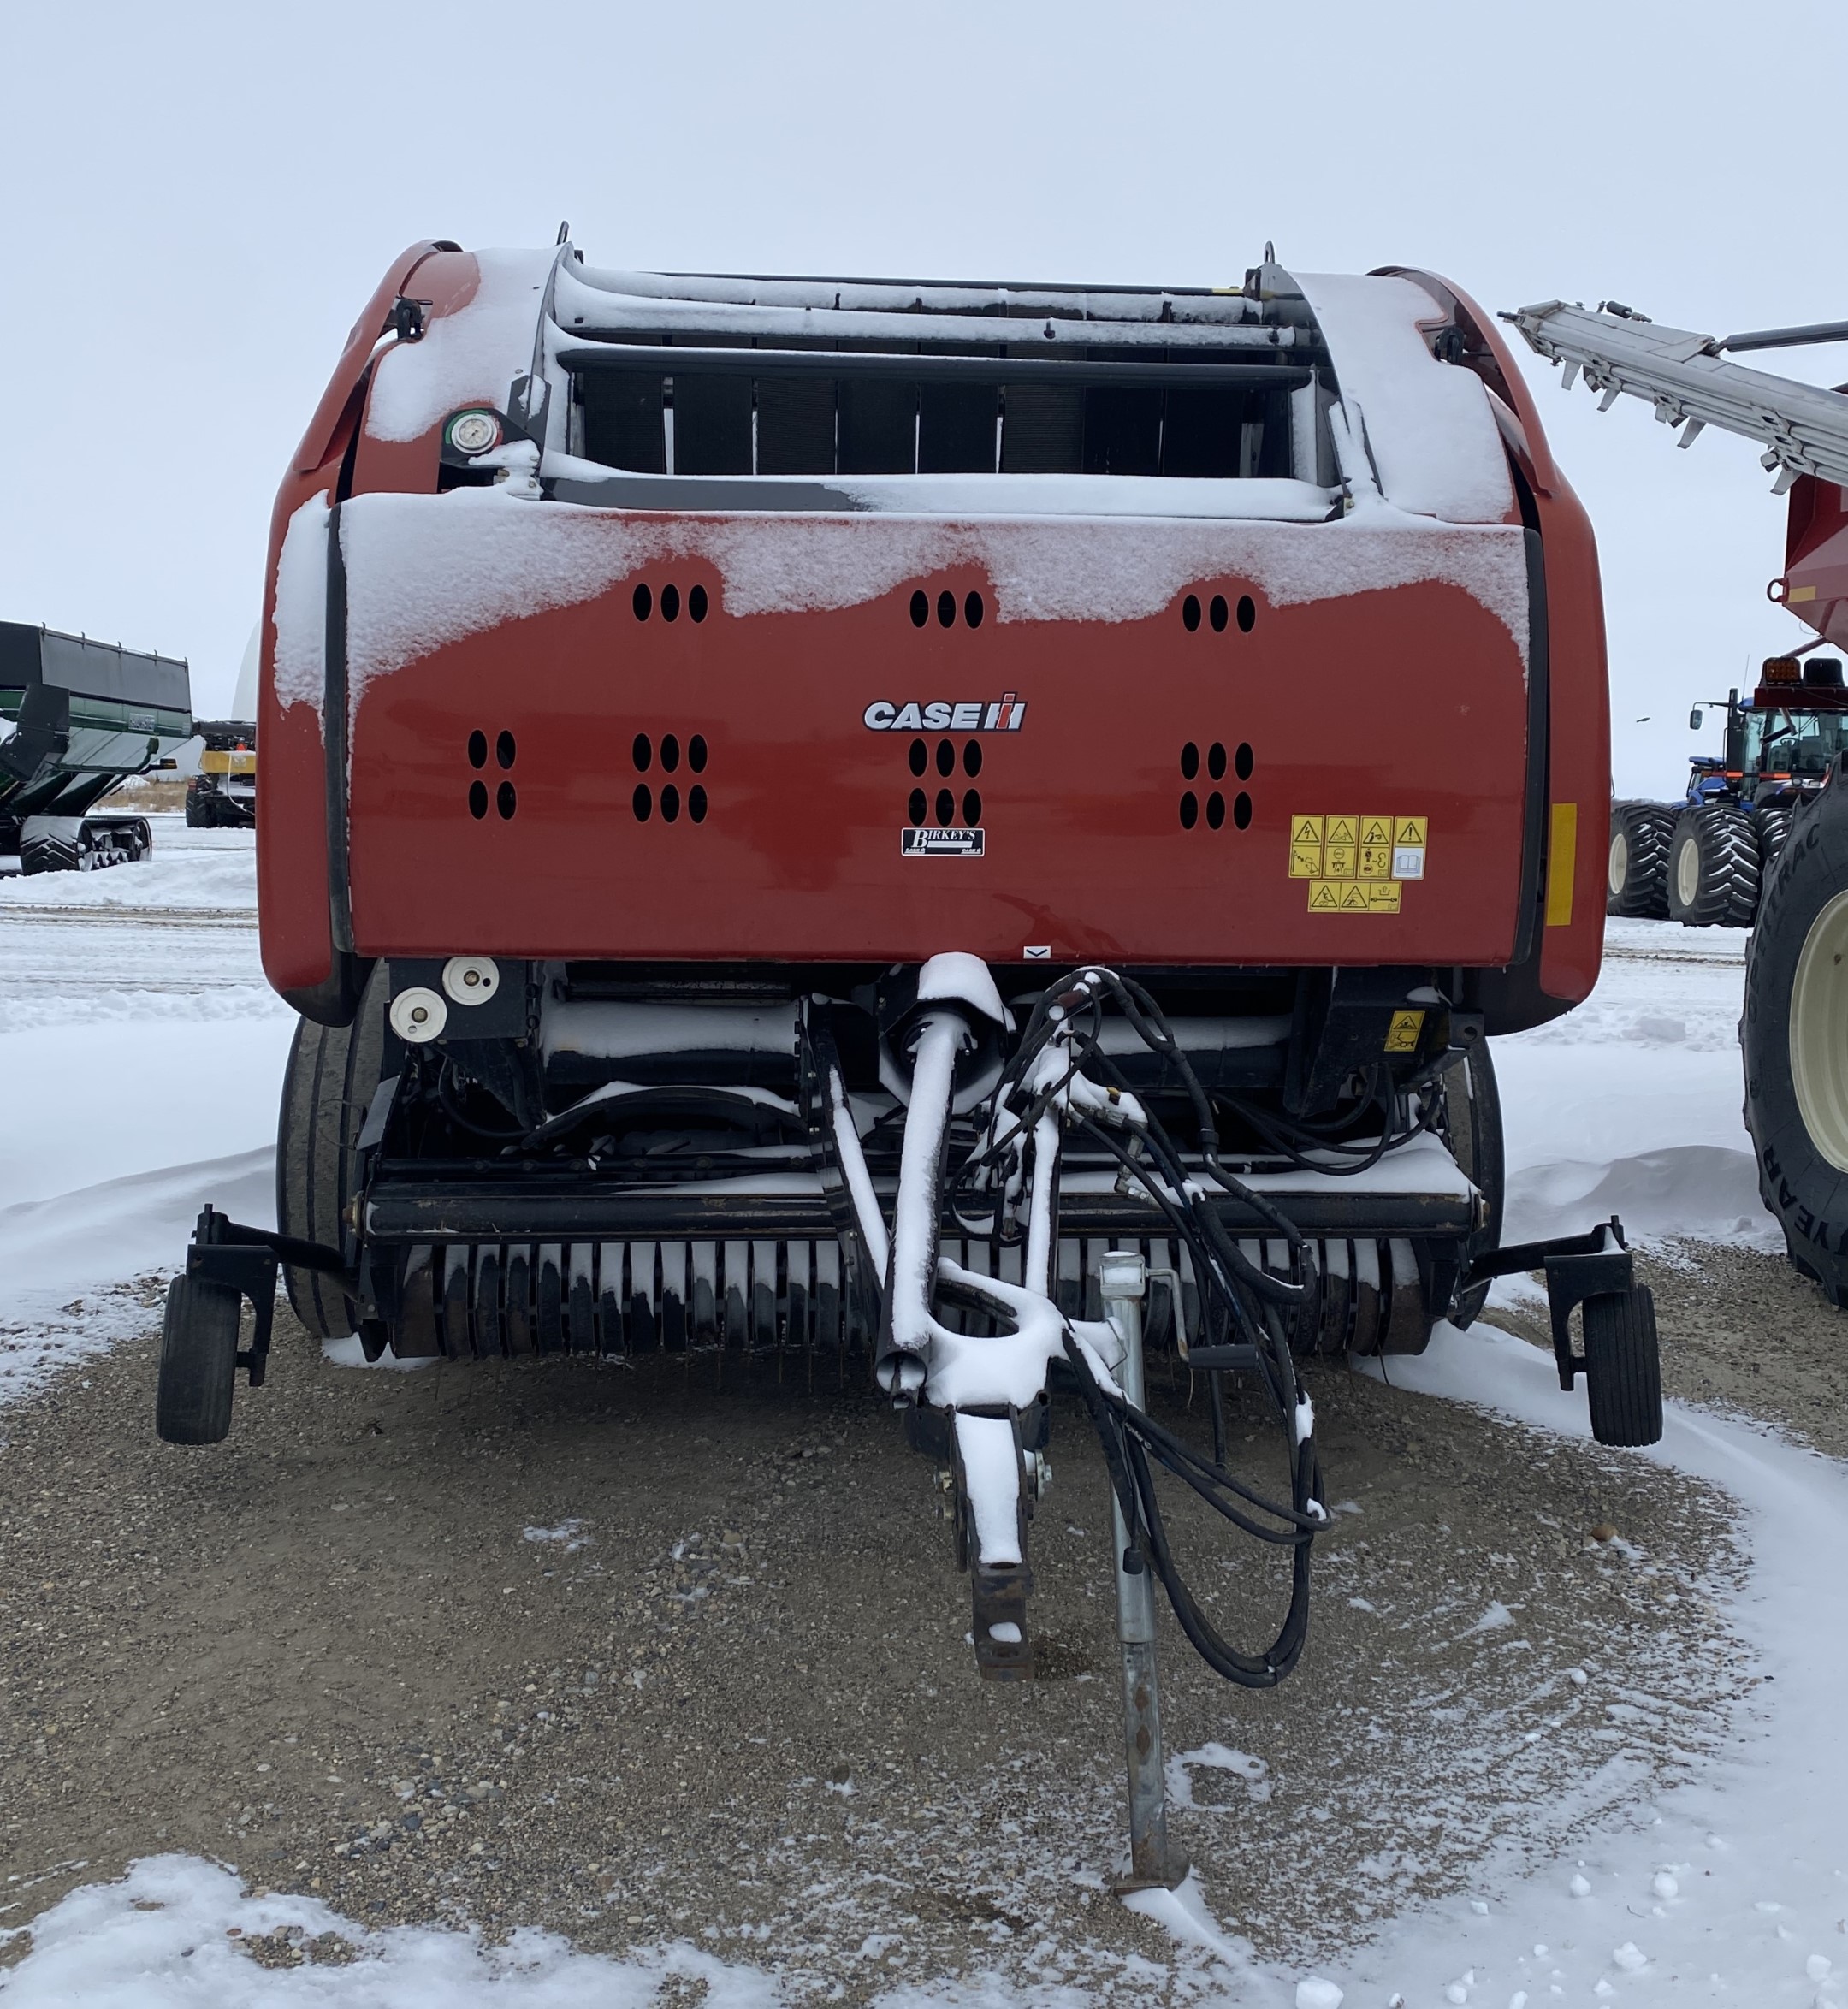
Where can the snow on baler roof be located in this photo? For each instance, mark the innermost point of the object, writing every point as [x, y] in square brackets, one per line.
[1298, 397]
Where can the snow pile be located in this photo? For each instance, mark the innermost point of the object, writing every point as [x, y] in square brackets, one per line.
[1630, 1104]
[1733, 1889]
[197, 872]
[181, 1934]
[142, 1059]
[1216, 1758]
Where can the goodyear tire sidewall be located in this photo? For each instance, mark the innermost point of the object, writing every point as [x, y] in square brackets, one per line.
[1801, 1187]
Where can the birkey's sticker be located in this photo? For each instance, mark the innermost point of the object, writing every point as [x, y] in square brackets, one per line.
[931, 842]
[1356, 864]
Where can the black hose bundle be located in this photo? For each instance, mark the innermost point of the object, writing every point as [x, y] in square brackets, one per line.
[1236, 1293]
[1130, 1437]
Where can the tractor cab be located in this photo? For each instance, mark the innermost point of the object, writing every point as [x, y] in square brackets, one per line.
[1781, 741]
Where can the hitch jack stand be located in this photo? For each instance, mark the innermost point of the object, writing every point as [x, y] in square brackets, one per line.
[1154, 1863]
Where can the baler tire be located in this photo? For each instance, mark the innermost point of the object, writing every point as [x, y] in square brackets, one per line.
[198, 1362]
[328, 1087]
[1714, 874]
[1472, 1124]
[1636, 875]
[1796, 1065]
[1623, 1367]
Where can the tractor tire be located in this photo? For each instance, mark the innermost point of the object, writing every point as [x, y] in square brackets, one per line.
[1773, 828]
[1713, 869]
[1472, 1130]
[1623, 1368]
[1792, 1039]
[1637, 877]
[198, 1362]
[199, 814]
[333, 1073]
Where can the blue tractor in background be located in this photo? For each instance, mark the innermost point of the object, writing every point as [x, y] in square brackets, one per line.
[1702, 861]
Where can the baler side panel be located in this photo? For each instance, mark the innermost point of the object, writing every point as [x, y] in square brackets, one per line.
[1578, 751]
[292, 836]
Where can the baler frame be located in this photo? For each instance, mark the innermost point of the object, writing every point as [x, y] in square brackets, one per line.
[978, 1100]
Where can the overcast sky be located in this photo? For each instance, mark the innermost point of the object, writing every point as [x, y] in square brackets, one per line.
[199, 198]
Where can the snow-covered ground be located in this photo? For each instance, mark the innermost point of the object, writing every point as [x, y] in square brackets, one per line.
[1630, 1104]
[140, 1057]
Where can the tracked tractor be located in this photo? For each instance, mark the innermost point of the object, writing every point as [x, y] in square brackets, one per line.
[788, 820]
[1793, 1034]
[77, 718]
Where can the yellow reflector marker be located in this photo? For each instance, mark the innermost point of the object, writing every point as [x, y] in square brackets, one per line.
[1800, 595]
[1563, 858]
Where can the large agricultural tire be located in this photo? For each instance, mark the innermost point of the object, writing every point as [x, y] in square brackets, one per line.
[1773, 828]
[1712, 868]
[1623, 1368]
[333, 1073]
[1472, 1130]
[1794, 1038]
[1636, 874]
[198, 1362]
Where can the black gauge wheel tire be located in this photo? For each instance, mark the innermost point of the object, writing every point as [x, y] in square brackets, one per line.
[333, 1073]
[1636, 885]
[1623, 1367]
[198, 1362]
[1712, 868]
[1793, 1037]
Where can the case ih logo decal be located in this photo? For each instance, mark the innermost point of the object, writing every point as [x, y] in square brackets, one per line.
[1004, 715]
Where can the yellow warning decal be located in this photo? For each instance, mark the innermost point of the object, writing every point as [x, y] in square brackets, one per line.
[1356, 864]
[1402, 1034]
[1562, 859]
